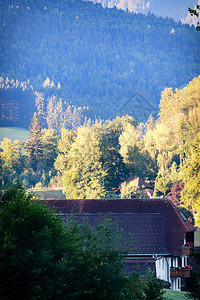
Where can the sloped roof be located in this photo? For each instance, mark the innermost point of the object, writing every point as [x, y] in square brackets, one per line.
[156, 224]
[138, 182]
[142, 232]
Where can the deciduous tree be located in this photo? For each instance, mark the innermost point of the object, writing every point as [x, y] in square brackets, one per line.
[43, 258]
[11, 159]
[84, 175]
[191, 177]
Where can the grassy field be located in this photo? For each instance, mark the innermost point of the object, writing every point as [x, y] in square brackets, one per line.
[197, 238]
[14, 133]
[175, 295]
[48, 193]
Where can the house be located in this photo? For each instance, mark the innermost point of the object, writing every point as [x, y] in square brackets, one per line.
[162, 236]
[138, 184]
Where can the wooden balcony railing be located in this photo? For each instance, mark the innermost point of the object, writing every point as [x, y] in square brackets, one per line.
[180, 273]
[185, 250]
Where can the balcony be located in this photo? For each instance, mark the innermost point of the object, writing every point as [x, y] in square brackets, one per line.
[180, 272]
[186, 249]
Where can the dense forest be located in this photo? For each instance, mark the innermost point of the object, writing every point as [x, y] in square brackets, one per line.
[92, 61]
[88, 82]
[173, 9]
[108, 96]
[93, 160]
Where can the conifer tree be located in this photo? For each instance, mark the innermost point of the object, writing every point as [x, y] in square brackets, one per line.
[33, 145]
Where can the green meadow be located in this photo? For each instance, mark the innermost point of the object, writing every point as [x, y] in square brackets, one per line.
[14, 133]
[197, 238]
[55, 193]
[175, 295]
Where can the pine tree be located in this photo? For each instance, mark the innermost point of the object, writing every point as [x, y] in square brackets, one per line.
[33, 146]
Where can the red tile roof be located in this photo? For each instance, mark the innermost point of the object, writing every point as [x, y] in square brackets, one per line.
[156, 224]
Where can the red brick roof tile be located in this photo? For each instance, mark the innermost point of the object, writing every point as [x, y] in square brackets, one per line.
[156, 224]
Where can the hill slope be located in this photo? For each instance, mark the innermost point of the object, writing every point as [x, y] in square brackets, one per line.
[96, 57]
[176, 9]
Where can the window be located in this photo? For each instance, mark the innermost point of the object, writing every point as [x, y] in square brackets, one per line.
[178, 284]
[185, 261]
[179, 262]
[172, 286]
[172, 262]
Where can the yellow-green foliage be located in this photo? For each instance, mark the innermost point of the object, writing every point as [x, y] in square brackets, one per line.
[191, 177]
[175, 138]
[128, 189]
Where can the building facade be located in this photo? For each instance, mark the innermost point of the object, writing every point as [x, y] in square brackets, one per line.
[162, 236]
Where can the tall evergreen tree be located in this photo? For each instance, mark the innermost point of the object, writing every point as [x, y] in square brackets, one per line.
[49, 143]
[34, 145]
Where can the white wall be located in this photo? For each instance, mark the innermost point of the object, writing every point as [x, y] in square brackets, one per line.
[163, 265]
[162, 268]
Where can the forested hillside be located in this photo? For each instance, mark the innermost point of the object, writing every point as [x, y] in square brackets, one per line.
[165, 8]
[94, 160]
[97, 60]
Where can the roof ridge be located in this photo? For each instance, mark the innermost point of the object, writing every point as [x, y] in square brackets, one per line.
[177, 212]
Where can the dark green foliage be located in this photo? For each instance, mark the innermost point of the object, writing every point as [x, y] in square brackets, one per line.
[140, 163]
[153, 287]
[111, 159]
[90, 160]
[32, 245]
[17, 104]
[193, 283]
[101, 57]
[40, 154]
[41, 258]
[92, 167]
[134, 289]
[187, 213]
[34, 147]
[144, 287]
[49, 145]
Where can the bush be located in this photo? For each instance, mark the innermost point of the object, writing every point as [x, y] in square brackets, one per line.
[153, 287]
[41, 258]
